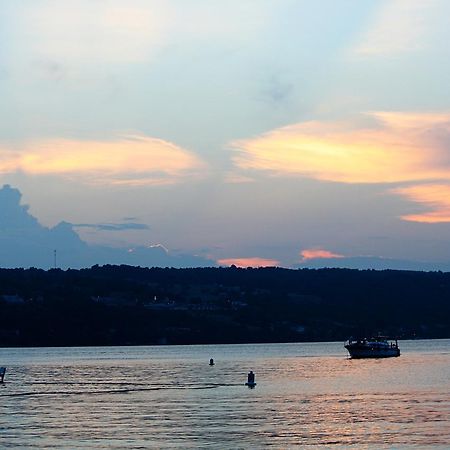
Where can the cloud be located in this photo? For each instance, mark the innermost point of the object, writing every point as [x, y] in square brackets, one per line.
[277, 91]
[434, 197]
[317, 253]
[113, 226]
[161, 246]
[81, 32]
[130, 160]
[89, 33]
[399, 26]
[249, 262]
[14, 217]
[378, 147]
[24, 242]
[236, 178]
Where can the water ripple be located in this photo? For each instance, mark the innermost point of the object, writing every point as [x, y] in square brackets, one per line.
[151, 400]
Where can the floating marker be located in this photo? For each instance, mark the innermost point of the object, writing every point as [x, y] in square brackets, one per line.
[251, 380]
[211, 362]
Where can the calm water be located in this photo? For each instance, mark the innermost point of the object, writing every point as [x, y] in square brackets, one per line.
[168, 397]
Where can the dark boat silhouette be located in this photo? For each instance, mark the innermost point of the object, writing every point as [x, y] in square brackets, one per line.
[378, 347]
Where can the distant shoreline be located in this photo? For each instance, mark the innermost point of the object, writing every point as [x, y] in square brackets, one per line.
[126, 305]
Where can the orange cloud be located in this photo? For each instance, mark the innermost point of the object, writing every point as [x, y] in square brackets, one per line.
[317, 253]
[249, 262]
[388, 148]
[436, 197]
[133, 160]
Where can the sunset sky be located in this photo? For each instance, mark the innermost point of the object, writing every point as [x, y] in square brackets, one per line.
[296, 133]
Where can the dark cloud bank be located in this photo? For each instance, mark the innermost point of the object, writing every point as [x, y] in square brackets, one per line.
[24, 242]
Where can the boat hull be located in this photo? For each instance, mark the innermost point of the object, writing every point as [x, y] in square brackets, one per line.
[377, 347]
[358, 352]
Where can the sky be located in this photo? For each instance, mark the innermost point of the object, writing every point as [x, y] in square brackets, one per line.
[294, 133]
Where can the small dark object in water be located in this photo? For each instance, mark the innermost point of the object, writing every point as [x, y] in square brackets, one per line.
[251, 380]
[211, 362]
[2, 374]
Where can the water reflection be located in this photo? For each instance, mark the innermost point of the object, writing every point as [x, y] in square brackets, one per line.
[146, 398]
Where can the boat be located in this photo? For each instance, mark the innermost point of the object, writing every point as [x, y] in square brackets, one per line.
[378, 347]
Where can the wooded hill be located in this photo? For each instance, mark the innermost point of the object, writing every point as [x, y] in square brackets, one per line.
[118, 305]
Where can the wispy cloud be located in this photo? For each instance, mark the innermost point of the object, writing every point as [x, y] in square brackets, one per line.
[399, 26]
[113, 226]
[237, 178]
[160, 246]
[435, 198]
[277, 91]
[131, 160]
[378, 147]
[249, 262]
[318, 253]
[110, 31]
[89, 32]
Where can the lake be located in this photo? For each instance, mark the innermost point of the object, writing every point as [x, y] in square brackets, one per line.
[307, 395]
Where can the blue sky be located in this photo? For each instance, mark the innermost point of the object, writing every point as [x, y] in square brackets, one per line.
[255, 131]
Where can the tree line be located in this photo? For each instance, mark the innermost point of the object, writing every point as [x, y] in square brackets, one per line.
[123, 305]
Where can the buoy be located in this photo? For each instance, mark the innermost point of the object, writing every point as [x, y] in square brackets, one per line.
[2, 374]
[211, 362]
[251, 380]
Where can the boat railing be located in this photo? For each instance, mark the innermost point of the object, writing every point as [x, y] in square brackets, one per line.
[393, 343]
[351, 341]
